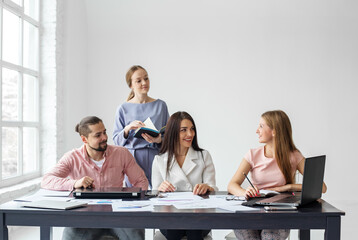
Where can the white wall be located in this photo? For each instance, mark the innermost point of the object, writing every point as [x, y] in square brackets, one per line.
[75, 72]
[226, 63]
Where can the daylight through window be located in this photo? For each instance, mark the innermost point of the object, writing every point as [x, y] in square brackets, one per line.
[19, 91]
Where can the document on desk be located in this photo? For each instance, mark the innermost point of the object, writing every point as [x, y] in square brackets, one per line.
[132, 206]
[215, 201]
[197, 204]
[98, 201]
[226, 197]
[175, 197]
[237, 207]
[233, 204]
[44, 194]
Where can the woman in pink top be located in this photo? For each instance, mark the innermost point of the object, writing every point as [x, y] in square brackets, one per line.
[272, 167]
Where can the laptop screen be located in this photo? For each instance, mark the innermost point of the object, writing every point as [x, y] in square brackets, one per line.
[313, 179]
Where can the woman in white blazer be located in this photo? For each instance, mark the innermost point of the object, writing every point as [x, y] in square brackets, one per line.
[183, 166]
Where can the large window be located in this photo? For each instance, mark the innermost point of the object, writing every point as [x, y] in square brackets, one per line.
[19, 91]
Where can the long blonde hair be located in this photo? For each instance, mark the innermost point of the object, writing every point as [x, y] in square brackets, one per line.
[129, 75]
[279, 122]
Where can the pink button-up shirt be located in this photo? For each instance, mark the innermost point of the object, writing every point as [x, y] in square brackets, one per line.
[76, 164]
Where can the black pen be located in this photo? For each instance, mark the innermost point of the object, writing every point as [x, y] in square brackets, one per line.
[252, 185]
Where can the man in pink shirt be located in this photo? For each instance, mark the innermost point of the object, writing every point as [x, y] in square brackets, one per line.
[95, 164]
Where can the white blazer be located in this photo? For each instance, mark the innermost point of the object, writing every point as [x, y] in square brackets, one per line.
[197, 168]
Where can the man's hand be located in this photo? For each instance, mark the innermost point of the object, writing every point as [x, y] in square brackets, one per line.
[85, 182]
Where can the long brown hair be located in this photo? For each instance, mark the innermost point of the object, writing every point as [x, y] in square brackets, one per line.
[129, 74]
[171, 141]
[279, 122]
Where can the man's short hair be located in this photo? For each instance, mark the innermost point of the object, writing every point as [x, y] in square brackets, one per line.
[83, 129]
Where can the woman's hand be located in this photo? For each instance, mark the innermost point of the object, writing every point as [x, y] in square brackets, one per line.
[166, 187]
[202, 188]
[133, 125]
[151, 139]
[251, 192]
[85, 182]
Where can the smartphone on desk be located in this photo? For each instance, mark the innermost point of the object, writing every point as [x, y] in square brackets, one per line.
[280, 208]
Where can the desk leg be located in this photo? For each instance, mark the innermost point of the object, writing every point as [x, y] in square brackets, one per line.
[45, 233]
[304, 234]
[3, 228]
[333, 229]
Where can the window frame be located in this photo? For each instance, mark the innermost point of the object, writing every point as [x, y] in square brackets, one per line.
[20, 123]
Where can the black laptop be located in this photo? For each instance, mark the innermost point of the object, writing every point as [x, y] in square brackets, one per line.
[107, 193]
[311, 186]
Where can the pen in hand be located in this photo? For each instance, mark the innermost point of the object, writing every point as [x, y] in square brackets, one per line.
[257, 193]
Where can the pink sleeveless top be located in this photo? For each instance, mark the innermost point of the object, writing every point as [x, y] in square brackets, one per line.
[265, 172]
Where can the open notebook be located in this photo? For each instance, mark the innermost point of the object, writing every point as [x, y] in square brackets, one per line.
[149, 129]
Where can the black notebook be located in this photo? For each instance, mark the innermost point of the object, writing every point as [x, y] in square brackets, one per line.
[149, 131]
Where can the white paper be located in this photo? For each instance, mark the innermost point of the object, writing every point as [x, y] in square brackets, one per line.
[44, 194]
[219, 196]
[149, 124]
[132, 206]
[181, 195]
[237, 207]
[98, 201]
[226, 197]
[220, 201]
[51, 193]
[264, 191]
[214, 201]
[197, 204]
[175, 197]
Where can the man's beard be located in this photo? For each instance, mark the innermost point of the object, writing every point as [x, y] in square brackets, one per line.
[99, 149]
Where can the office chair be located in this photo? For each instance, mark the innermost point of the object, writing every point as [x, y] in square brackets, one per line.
[231, 236]
[159, 236]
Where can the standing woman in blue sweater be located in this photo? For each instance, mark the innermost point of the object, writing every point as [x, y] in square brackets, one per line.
[131, 115]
